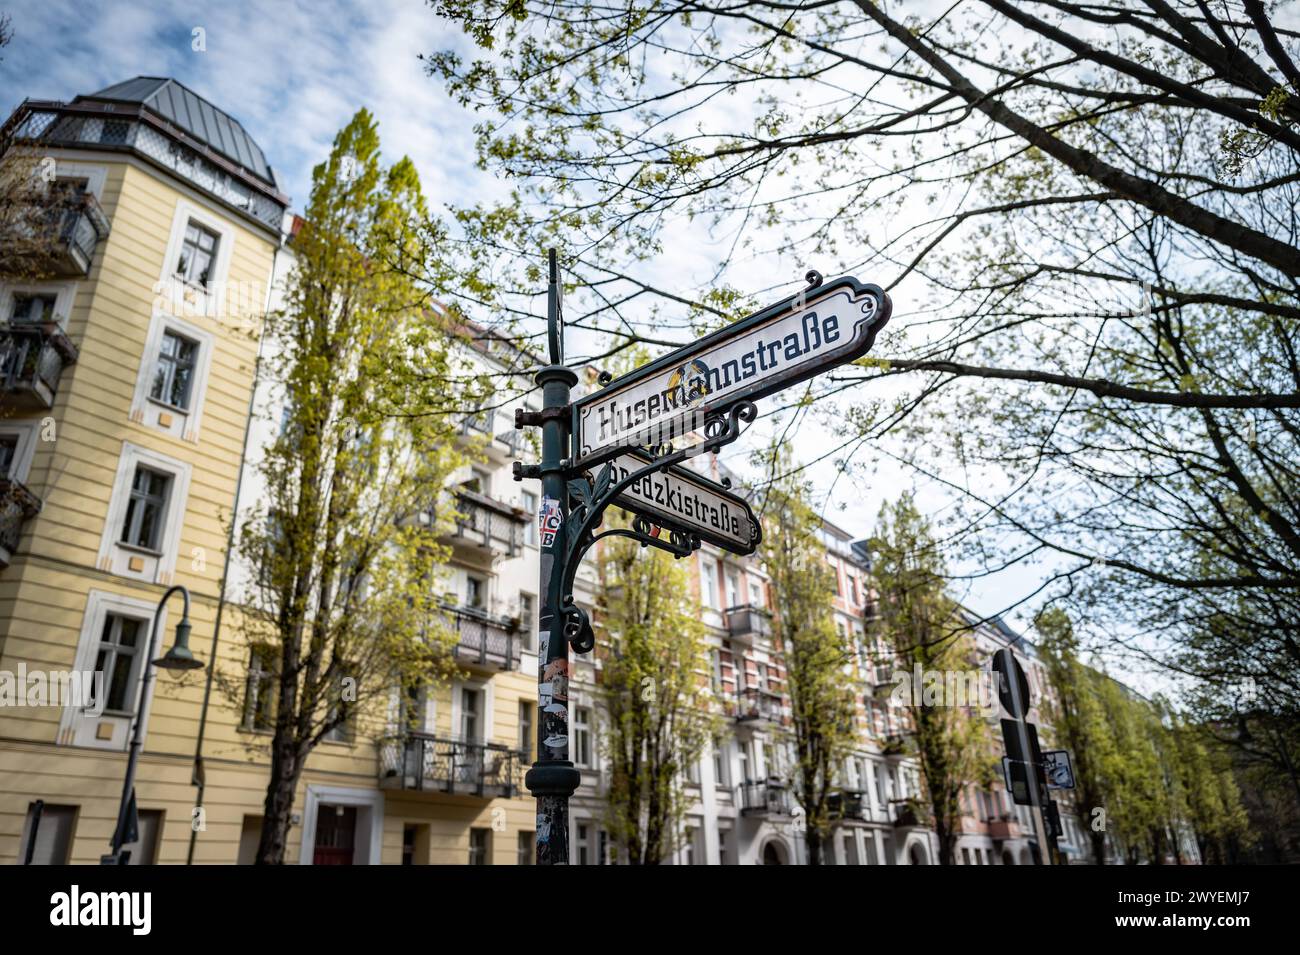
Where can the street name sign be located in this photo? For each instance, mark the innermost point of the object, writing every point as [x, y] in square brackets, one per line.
[782, 345]
[678, 497]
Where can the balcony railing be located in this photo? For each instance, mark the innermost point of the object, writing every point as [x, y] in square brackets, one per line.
[55, 238]
[1003, 829]
[485, 639]
[748, 623]
[17, 504]
[423, 762]
[121, 127]
[848, 804]
[32, 357]
[488, 525]
[756, 705]
[766, 797]
[910, 814]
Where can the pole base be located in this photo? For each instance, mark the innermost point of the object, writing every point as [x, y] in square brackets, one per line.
[552, 778]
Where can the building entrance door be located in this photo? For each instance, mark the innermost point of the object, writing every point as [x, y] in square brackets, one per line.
[336, 830]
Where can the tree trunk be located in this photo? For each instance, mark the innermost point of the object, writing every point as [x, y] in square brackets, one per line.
[286, 768]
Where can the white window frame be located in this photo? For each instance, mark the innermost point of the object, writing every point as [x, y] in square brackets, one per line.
[64, 295]
[74, 723]
[25, 434]
[172, 289]
[131, 457]
[485, 717]
[142, 403]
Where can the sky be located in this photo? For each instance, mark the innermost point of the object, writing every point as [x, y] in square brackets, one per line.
[294, 73]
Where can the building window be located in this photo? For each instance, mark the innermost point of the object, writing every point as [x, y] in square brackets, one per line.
[528, 619]
[471, 710]
[527, 731]
[527, 850]
[174, 371]
[715, 670]
[475, 592]
[119, 650]
[719, 764]
[724, 847]
[733, 589]
[47, 836]
[689, 851]
[144, 851]
[710, 583]
[756, 593]
[259, 693]
[530, 509]
[8, 452]
[478, 846]
[32, 307]
[582, 845]
[582, 736]
[146, 509]
[198, 253]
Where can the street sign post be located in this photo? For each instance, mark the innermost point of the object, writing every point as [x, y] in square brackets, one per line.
[614, 447]
[1021, 739]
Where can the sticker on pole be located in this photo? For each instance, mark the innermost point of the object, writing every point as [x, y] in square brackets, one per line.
[549, 520]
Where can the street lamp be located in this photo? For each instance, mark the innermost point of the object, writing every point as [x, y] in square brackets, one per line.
[176, 662]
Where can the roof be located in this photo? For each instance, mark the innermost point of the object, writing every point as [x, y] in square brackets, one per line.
[181, 106]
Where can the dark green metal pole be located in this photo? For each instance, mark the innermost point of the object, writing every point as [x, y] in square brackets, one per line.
[553, 777]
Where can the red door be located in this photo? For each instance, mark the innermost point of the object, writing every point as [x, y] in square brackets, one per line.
[336, 828]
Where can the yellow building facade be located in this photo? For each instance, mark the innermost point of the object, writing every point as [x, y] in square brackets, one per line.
[128, 379]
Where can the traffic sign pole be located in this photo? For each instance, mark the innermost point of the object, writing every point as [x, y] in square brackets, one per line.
[1015, 685]
[553, 778]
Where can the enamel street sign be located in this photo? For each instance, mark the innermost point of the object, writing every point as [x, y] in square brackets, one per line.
[784, 344]
[678, 497]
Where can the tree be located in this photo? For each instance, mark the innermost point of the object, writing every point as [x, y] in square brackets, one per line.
[1079, 722]
[818, 664]
[343, 599]
[655, 694]
[917, 619]
[1092, 210]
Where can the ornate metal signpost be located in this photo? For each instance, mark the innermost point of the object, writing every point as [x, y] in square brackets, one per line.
[616, 447]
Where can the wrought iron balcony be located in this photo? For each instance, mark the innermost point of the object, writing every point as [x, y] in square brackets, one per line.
[485, 640]
[499, 445]
[423, 762]
[911, 814]
[56, 237]
[757, 705]
[32, 358]
[488, 527]
[747, 623]
[17, 504]
[848, 804]
[765, 798]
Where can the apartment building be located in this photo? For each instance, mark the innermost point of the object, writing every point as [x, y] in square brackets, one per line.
[127, 374]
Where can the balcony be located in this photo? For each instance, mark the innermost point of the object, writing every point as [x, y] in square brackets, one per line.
[757, 706]
[481, 428]
[487, 529]
[1005, 828]
[17, 504]
[32, 358]
[55, 237]
[911, 814]
[486, 641]
[423, 762]
[748, 623]
[769, 798]
[848, 804]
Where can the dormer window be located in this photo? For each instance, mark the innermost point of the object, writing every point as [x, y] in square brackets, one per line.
[198, 254]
